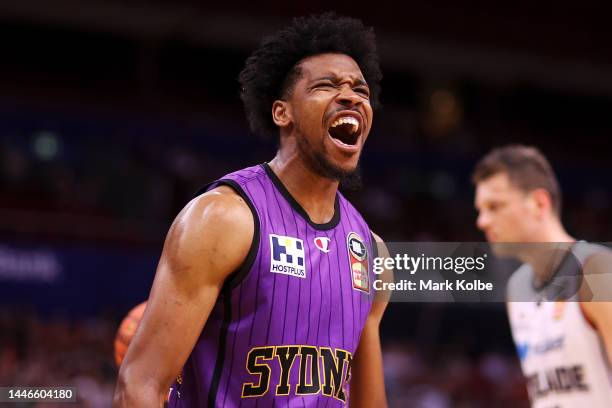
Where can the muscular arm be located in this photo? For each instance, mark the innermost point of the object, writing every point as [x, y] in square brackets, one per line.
[368, 382]
[600, 313]
[208, 240]
[597, 287]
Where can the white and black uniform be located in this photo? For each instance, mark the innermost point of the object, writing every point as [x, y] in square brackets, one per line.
[563, 358]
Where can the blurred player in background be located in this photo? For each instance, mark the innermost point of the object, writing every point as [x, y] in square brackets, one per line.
[263, 291]
[565, 346]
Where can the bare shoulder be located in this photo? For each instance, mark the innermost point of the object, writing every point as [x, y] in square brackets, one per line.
[597, 272]
[600, 262]
[221, 207]
[222, 200]
[380, 245]
[214, 231]
[377, 238]
[381, 298]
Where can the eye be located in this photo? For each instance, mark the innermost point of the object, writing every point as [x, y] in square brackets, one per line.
[324, 85]
[363, 90]
[495, 206]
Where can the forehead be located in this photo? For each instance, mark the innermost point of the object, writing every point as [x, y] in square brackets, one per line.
[330, 65]
[496, 187]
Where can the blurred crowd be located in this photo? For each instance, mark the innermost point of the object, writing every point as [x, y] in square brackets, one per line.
[121, 180]
[451, 379]
[56, 352]
[125, 180]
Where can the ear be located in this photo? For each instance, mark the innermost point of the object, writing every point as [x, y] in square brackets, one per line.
[281, 113]
[540, 199]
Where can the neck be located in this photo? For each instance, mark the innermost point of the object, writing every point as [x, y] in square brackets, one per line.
[315, 194]
[547, 251]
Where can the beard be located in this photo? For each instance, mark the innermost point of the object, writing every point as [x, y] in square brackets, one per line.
[349, 180]
[319, 163]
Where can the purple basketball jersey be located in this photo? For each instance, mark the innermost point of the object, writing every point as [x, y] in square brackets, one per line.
[286, 325]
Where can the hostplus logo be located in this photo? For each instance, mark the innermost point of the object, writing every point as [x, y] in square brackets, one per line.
[287, 256]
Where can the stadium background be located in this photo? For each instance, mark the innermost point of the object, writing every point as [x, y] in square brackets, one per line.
[113, 113]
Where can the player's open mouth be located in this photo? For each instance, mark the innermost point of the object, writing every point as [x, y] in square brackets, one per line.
[345, 131]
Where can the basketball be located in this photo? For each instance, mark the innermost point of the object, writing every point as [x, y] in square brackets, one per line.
[126, 331]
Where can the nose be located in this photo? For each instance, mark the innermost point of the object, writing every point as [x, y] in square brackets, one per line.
[348, 97]
[483, 221]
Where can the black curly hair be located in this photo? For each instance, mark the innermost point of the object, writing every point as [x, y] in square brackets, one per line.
[272, 69]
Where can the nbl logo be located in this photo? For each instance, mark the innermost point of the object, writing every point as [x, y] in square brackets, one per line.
[287, 256]
[356, 246]
[358, 260]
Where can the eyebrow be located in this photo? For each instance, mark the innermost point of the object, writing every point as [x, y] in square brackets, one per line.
[334, 78]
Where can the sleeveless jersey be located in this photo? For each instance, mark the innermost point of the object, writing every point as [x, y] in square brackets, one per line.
[286, 326]
[562, 356]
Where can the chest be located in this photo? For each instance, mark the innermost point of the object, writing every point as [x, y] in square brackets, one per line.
[550, 330]
[336, 261]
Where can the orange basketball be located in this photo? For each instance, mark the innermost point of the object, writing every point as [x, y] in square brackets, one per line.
[126, 331]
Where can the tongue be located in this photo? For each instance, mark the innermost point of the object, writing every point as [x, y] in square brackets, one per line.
[344, 134]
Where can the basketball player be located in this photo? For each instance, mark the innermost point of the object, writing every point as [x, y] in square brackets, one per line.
[565, 346]
[263, 293]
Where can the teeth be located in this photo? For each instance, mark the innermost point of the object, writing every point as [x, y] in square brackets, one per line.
[346, 120]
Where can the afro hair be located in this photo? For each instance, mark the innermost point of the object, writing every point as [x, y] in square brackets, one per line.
[271, 70]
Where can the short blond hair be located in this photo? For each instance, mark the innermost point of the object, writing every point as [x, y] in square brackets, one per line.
[526, 167]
